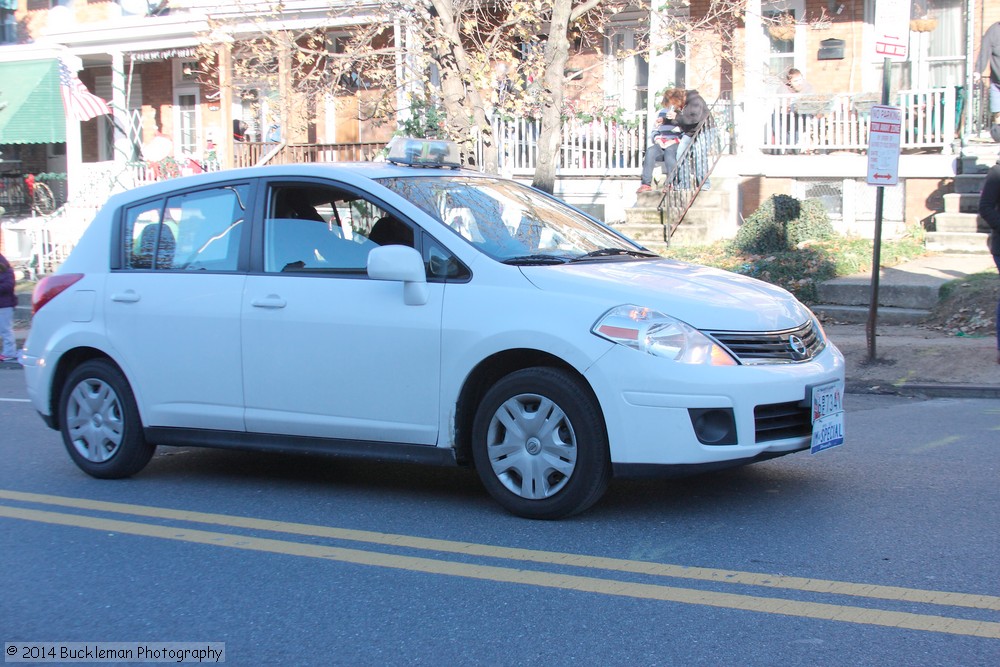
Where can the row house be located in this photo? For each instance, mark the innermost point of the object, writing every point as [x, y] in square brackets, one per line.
[177, 108]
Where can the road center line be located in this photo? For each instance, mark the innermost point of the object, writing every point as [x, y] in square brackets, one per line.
[529, 555]
[778, 606]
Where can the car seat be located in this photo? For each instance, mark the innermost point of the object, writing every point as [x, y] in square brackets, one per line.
[387, 230]
[143, 256]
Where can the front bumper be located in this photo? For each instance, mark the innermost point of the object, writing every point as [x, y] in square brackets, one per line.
[648, 402]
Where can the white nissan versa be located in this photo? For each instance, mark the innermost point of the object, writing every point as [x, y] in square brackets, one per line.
[413, 311]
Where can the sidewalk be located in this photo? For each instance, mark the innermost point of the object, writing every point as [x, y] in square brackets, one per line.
[912, 359]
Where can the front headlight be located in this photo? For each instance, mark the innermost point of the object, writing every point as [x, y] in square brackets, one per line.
[660, 335]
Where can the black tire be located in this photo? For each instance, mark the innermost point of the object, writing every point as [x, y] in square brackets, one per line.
[100, 422]
[565, 451]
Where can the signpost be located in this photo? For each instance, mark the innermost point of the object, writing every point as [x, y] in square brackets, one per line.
[892, 35]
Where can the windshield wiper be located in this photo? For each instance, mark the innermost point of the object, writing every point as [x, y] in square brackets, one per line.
[536, 259]
[613, 252]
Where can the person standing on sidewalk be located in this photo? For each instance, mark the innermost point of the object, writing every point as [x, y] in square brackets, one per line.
[989, 209]
[989, 54]
[8, 347]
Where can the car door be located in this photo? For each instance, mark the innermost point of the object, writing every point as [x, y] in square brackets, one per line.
[328, 352]
[173, 306]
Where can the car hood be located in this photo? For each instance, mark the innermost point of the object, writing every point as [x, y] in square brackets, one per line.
[705, 298]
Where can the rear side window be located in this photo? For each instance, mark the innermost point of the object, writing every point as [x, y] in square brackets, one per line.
[197, 231]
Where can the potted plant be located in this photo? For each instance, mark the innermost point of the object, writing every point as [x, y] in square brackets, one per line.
[922, 20]
[782, 28]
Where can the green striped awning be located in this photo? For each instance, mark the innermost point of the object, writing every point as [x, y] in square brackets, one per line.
[32, 108]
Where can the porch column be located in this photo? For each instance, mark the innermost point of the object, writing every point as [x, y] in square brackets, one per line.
[661, 61]
[119, 107]
[75, 176]
[224, 142]
[752, 124]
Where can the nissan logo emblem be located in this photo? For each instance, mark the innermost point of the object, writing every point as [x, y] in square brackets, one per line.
[798, 347]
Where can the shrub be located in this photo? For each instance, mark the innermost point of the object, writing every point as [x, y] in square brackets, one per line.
[781, 223]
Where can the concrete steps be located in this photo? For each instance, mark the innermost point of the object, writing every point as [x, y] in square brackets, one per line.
[642, 222]
[959, 229]
[907, 294]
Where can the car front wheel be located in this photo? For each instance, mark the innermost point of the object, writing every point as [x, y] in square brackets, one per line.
[100, 422]
[539, 444]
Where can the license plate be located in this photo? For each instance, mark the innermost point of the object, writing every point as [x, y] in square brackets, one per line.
[827, 416]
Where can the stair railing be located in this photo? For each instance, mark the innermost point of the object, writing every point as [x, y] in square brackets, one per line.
[712, 139]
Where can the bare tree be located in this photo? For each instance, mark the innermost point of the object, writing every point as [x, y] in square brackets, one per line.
[471, 59]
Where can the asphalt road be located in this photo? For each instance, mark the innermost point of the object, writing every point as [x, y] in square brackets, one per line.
[881, 552]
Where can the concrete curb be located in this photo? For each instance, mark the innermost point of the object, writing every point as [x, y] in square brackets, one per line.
[924, 390]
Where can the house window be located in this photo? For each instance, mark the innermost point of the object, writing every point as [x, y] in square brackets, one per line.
[781, 43]
[186, 139]
[627, 69]
[940, 53]
[935, 59]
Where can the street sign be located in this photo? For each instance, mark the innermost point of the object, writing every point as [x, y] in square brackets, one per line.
[883, 145]
[892, 28]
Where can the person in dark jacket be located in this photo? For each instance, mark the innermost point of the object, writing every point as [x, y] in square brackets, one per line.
[690, 117]
[989, 209]
[989, 53]
[8, 350]
[695, 110]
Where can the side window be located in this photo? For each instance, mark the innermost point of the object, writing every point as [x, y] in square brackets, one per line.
[441, 264]
[316, 228]
[142, 237]
[198, 231]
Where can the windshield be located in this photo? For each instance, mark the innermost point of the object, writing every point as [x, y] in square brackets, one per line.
[510, 222]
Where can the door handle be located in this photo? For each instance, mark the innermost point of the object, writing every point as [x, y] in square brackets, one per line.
[269, 301]
[129, 296]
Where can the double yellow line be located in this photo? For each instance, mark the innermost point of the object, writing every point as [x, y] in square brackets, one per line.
[541, 578]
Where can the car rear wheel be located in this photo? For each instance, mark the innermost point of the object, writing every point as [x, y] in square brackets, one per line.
[539, 444]
[100, 422]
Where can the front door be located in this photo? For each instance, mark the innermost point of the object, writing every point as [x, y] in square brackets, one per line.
[328, 352]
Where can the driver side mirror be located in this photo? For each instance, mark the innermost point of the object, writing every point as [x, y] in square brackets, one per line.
[401, 263]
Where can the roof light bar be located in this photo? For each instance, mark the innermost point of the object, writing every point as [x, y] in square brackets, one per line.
[424, 152]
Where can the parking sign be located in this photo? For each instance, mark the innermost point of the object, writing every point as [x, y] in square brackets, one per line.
[883, 145]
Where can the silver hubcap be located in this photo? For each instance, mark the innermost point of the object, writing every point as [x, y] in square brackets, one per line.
[94, 420]
[532, 446]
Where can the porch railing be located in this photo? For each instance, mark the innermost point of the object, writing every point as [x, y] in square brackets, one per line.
[252, 153]
[713, 138]
[842, 122]
[597, 147]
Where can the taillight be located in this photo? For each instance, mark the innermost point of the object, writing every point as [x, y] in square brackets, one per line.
[50, 287]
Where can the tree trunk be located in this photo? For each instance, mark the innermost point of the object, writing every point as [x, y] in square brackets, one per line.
[463, 103]
[555, 57]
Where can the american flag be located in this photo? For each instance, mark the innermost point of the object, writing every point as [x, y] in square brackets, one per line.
[79, 102]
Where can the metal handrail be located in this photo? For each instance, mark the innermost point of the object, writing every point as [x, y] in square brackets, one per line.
[695, 164]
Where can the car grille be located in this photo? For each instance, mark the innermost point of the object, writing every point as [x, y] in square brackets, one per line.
[781, 420]
[772, 347]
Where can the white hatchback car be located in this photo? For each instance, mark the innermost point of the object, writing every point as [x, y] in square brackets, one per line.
[416, 313]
